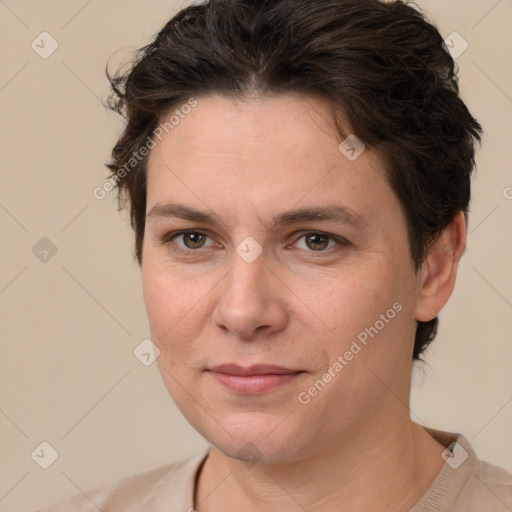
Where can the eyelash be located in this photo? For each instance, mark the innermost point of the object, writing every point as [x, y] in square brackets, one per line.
[167, 240]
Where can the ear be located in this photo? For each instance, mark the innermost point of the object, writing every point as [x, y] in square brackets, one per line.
[438, 272]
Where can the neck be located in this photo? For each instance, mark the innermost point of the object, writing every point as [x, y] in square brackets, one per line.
[368, 469]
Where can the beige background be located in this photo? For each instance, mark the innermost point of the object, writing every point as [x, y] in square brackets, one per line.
[68, 374]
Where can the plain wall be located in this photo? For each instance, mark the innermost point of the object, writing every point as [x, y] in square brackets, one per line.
[68, 374]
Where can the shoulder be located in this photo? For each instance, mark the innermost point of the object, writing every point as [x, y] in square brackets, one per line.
[465, 484]
[159, 488]
[489, 488]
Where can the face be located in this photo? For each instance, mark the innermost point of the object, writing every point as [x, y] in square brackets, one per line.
[277, 278]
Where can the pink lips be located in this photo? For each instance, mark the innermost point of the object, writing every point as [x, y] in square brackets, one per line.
[255, 379]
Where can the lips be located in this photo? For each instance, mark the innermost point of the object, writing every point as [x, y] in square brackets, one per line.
[256, 379]
[257, 369]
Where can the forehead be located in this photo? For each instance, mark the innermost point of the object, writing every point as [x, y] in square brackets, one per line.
[286, 126]
[271, 152]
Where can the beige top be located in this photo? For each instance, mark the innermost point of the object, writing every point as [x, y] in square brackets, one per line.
[464, 484]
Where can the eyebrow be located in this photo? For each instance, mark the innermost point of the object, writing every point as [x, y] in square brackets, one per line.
[333, 213]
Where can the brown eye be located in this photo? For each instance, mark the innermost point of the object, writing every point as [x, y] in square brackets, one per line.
[193, 240]
[316, 241]
[320, 242]
[190, 240]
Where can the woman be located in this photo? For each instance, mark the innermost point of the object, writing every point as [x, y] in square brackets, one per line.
[298, 176]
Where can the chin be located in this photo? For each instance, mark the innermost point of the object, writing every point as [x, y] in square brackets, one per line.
[252, 436]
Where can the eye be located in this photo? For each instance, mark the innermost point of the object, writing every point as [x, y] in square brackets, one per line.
[188, 240]
[193, 240]
[319, 242]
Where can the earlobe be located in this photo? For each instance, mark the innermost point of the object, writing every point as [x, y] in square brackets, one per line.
[439, 270]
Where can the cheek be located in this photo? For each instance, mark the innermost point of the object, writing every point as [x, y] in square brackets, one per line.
[172, 314]
[172, 305]
[158, 296]
[367, 308]
[352, 300]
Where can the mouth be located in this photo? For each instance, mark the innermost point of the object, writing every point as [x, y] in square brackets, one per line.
[253, 380]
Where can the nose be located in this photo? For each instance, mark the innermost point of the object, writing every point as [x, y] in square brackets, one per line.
[251, 301]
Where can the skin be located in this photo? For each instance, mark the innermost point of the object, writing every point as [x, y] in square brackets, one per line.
[299, 304]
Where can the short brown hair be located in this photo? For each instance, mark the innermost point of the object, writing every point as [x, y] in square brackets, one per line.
[384, 65]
